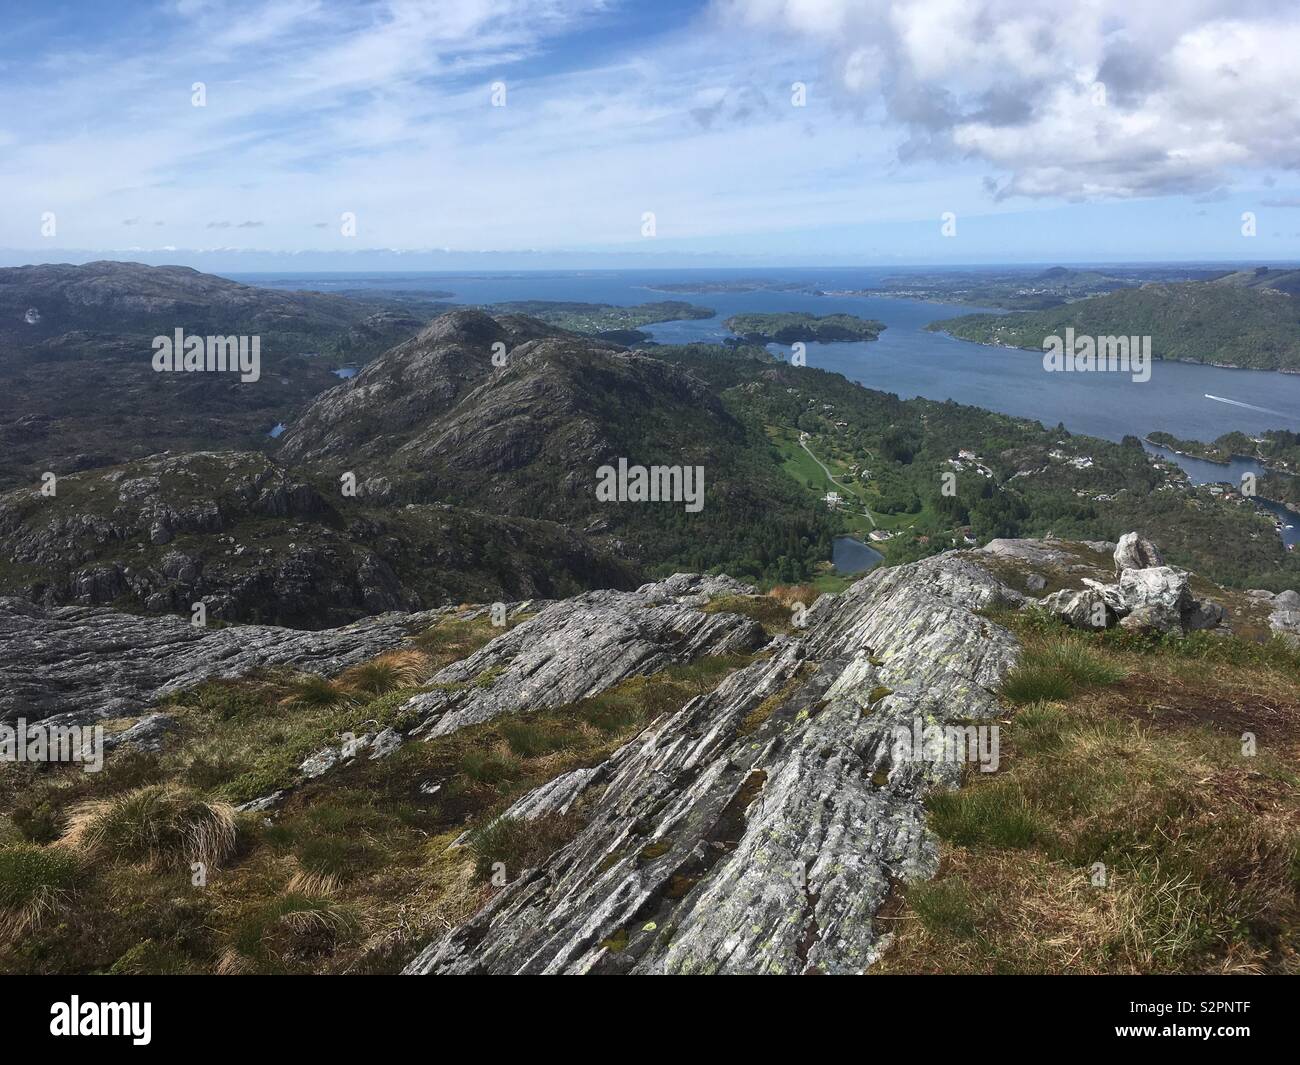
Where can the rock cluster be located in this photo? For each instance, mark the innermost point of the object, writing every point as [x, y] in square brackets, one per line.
[1148, 596]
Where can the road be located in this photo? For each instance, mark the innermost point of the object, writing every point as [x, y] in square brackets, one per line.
[831, 477]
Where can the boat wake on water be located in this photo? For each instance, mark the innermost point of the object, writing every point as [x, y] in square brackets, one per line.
[1248, 406]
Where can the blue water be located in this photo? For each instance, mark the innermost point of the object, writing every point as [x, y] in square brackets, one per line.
[853, 556]
[906, 359]
[1199, 471]
[345, 372]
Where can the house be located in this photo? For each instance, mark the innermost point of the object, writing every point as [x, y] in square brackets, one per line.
[832, 500]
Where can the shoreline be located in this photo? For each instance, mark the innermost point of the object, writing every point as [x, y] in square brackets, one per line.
[1155, 358]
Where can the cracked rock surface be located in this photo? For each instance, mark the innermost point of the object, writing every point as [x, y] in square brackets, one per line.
[579, 647]
[81, 664]
[759, 828]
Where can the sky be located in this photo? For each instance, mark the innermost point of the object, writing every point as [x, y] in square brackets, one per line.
[422, 134]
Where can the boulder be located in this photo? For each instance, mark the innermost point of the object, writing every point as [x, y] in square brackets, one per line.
[1161, 587]
[147, 734]
[1203, 614]
[1080, 609]
[1135, 552]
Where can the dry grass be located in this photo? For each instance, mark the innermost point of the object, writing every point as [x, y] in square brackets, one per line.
[1143, 782]
[160, 825]
[789, 594]
[396, 669]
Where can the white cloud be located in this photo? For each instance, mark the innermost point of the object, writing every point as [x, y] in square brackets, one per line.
[1196, 91]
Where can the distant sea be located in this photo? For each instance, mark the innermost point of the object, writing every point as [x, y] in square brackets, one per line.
[906, 360]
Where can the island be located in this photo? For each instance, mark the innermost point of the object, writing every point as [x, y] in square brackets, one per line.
[792, 326]
[739, 285]
[604, 320]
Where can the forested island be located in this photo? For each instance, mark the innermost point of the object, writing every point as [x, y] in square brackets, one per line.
[604, 320]
[793, 326]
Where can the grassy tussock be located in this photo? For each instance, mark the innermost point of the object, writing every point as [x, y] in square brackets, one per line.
[515, 845]
[396, 669]
[158, 825]
[774, 615]
[1058, 669]
[353, 874]
[34, 883]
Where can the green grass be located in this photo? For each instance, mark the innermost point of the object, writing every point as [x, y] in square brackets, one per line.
[1057, 669]
[515, 845]
[26, 871]
[1197, 846]
[992, 816]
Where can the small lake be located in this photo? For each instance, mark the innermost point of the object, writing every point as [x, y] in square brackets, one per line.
[853, 556]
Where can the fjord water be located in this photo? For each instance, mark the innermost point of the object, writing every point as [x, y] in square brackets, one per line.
[906, 360]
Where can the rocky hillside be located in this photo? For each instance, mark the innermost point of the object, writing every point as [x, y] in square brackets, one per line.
[255, 542]
[473, 449]
[685, 778]
[1220, 323]
[75, 334]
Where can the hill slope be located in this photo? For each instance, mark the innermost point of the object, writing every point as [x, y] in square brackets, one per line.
[1214, 322]
[72, 335]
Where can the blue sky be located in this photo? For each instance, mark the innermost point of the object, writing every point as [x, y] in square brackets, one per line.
[1051, 131]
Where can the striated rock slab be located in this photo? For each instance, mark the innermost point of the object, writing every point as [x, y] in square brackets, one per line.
[86, 663]
[759, 828]
[578, 648]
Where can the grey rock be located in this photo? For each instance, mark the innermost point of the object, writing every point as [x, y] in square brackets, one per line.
[1161, 587]
[385, 744]
[1152, 618]
[1080, 609]
[575, 649]
[1035, 582]
[147, 734]
[1204, 614]
[759, 828]
[353, 746]
[89, 663]
[1135, 552]
[265, 802]
[694, 588]
[1110, 594]
[321, 762]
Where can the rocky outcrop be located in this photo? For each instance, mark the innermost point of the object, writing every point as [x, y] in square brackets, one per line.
[84, 664]
[1284, 612]
[579, 647]
[1148, 596]
[163, 533]
[760, 828]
